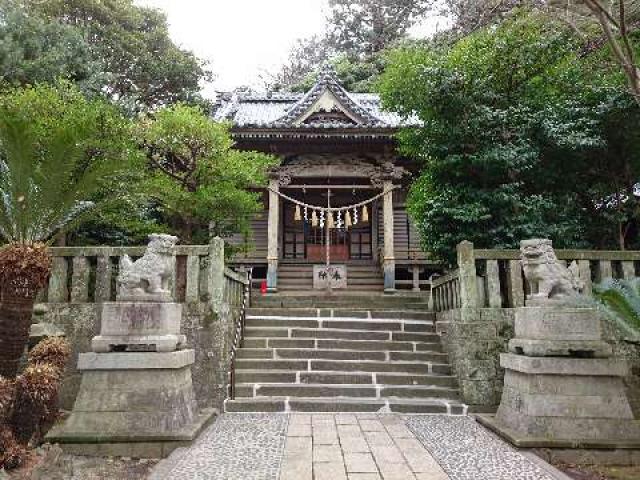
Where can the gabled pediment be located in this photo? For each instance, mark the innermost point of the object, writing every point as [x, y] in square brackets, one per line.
[327, 109]
[328, 103]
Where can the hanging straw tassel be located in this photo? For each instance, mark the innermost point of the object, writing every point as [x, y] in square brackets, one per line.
[365, 214]
[347, 220]
[330, 222]
[297, 216]
[314, 219]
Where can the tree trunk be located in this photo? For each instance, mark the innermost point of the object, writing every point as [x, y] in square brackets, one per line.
[15, 320]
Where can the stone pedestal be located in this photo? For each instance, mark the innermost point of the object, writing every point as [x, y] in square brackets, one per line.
[131, 326]
[132, 404]
[558, 332]
[560, 390]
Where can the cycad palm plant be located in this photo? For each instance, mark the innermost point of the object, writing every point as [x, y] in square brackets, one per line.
[621, 298]
[45, 184]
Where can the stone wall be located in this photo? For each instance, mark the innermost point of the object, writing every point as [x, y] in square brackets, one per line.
[211, 297]
[475, 337]
[209, 334]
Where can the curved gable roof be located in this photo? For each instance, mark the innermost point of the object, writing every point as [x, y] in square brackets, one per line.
[327, 105]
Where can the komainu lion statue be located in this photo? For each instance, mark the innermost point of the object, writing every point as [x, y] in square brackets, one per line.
[550, 281]
[147, 279]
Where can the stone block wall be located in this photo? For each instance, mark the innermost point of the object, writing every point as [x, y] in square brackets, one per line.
[208, 333]
[475, 337]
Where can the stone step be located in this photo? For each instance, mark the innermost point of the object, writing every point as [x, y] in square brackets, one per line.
[374, 366]
[339, 334]
[384, 345]
[342, 323]
[341, 300]
[342, 312]
[256, 390]
[272, 404]
[338, 354]
[343, 378]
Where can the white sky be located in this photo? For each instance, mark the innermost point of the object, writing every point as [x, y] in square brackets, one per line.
[246, 39]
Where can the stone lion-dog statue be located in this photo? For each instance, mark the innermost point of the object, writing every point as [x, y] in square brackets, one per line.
[550, 281]
[147, 279]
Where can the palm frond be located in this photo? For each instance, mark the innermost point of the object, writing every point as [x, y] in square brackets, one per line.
[621, 299]
[43, 187]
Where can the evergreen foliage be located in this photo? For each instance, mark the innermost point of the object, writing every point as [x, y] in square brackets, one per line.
[196, 175]
[523, 135]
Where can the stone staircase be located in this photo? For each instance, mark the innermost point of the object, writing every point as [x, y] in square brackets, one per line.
[332, 356]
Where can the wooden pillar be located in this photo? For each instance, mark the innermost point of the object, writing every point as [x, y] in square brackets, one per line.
[272, 236]
[389, 262]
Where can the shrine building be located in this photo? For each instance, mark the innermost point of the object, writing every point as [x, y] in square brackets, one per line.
[338, 195]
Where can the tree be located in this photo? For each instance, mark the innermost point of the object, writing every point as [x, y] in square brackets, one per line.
[357, 34]
[365, 27]
[49, 172]
[615, 18]
[142, 66]
[35, 50]
[512, 125]
[196, 176]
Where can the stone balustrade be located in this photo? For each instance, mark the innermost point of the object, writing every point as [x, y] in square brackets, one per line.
[88, 274]
[445, 292]
[493, 278]
[475, 308]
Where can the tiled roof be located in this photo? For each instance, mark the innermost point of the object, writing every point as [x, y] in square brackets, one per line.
[247, 109]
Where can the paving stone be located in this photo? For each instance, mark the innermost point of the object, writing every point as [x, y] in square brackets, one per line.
[387, 455]
[329, 471]
[325, 435]
[300, 419]
[299, 430]
[466, 451]
[364, 476]
[235, 447]
[371, 426]
[354, 444]
[396, 471]
[349, 431]
[327, 453]
[360, 463]
[322, 419]
[432, 476]
[399, 431]
[346, 420]
[378, 438]
[298, 446]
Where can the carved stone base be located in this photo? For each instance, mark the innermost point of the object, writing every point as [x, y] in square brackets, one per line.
[558, 331]
[132, 398]
[565, 399]
[150, 326]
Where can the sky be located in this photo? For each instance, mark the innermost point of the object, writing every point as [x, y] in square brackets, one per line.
[246, 40]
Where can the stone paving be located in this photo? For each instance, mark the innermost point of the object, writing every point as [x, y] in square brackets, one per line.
[349, 447]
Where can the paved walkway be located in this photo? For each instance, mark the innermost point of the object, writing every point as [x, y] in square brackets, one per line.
[349, 447]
